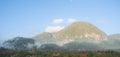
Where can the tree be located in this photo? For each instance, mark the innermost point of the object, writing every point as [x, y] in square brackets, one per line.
[50, 47]
[19, 43]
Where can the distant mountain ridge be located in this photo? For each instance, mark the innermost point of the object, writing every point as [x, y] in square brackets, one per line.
[81, 30]
[78, 31]
[114, 41]
[78, 36]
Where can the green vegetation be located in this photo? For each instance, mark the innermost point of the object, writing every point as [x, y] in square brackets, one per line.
[40, 53]
[45, 45]
[19, 43]
[82, 46]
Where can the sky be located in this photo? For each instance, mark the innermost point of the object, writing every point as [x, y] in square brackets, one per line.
[27, 18]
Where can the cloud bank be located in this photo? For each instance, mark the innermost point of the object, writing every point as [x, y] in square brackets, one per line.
[53, 28]
[57, 23]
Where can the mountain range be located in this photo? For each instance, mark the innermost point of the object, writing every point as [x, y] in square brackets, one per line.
[78, 31]
[78, 36]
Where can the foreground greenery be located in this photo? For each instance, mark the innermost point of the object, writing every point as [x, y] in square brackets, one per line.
[40, 53]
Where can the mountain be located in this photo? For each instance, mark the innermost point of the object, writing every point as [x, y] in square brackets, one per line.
[80, 31]
[114, 36]
[19, 43]
[77, 36]
[82, 46]
[44, 38]
[114, 41]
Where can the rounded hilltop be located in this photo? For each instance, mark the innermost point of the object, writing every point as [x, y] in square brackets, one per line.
[81, 30]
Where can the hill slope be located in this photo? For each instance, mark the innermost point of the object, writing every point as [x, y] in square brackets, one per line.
[78, 31]
[81, 31]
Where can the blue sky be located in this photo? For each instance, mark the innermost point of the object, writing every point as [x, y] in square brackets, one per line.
[28, 18]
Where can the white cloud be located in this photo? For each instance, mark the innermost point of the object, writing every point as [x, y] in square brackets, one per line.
[58, 21]
[71, 20]
[53, 28]
[57, 26]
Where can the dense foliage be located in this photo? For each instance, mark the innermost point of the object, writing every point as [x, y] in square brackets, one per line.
[19, 43]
